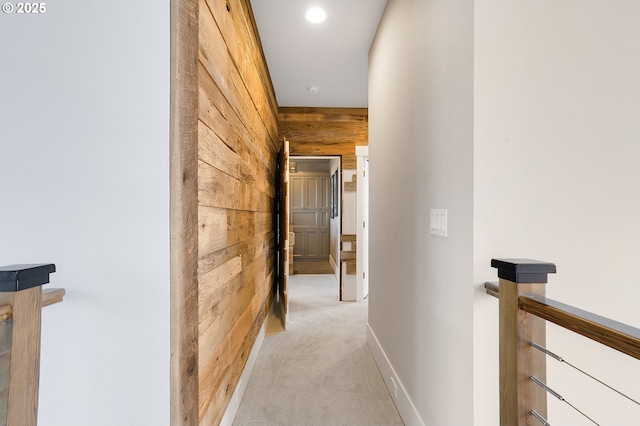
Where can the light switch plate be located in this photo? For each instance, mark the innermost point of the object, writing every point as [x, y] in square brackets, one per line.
[438, 222]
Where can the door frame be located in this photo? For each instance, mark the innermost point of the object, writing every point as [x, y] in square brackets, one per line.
[338, 264]
[362, 253]
[282, 222]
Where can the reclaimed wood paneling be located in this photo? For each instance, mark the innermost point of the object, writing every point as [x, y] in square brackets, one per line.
[237, 153]
[224, 148]
[184, 212]
[325, 131]
[224, 144]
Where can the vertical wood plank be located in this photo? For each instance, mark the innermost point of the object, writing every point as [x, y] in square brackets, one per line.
[518, 359]
[24, 376]
[184, 212]
[532, 361]
[508, 356]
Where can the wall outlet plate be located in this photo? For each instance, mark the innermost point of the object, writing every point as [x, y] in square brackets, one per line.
[395, 388]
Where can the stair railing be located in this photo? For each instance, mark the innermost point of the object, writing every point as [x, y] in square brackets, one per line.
[21, 302]
[524, 310]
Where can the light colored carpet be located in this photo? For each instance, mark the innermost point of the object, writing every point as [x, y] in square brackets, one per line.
[320, 371]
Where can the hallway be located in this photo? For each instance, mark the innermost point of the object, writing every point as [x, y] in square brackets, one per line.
[320, 371]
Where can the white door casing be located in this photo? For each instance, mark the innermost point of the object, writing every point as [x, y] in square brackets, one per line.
[362, 219]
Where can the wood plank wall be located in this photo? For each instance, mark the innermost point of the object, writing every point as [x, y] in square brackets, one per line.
[325, 131]
[237, 153]
[236, 145]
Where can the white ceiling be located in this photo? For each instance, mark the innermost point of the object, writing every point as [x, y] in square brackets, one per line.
[332, 56]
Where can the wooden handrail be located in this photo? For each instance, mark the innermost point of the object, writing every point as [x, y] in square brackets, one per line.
[616, 335]
[492, 289]
[523, 314]
[50, 296]
[21, 300]
[5, 312]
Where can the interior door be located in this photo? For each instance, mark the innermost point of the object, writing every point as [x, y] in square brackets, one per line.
[283, 230]
[309, 212]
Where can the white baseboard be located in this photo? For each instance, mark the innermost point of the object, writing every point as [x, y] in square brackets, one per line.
[334, 266]
[234, 404]
[401, 398]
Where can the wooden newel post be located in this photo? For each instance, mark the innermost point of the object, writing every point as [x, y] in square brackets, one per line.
[21, 296]
[519, 395]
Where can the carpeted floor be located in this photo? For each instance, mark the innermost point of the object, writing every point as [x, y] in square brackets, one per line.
[320, 371]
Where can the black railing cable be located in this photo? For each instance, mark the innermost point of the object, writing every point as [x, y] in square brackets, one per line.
[540, 383]
[559, 358]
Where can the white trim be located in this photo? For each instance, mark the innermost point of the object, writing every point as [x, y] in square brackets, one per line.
[362, 151]
[234, 404]
[283, 313]
[403, 402]
[362, 156]
[334, 266]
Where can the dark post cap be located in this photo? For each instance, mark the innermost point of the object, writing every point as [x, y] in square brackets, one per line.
[22, 277]
[523, 270]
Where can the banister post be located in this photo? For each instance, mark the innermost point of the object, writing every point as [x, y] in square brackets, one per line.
[518, 359]
[21, 288]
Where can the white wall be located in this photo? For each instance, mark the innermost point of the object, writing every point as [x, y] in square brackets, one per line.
[557, 171]
[84, 184]
[421, 157]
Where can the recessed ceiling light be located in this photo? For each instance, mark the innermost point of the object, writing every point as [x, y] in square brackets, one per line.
[316, 15]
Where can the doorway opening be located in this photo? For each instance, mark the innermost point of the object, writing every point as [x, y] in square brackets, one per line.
[314, 219]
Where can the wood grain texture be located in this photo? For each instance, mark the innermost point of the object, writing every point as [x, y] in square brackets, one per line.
[349, 162]
[351, 186]
[351, 267]
[236, 167]
[25, 332]
[52, 296]
[223, 390]
[24, 361]
[184, 212]
[616, 335]
[325, 131]
[492, 289]
[225, 137]
[336, 131]
[5, 312]
[518, 359]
